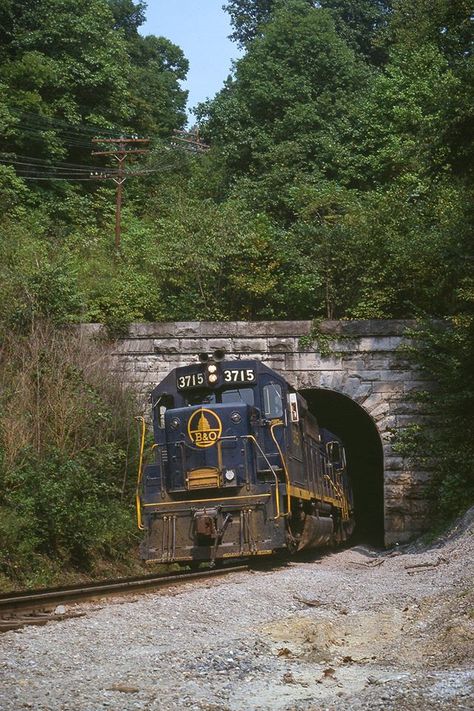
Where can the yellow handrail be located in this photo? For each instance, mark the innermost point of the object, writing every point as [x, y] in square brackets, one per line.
[277, 492]
[285, 469]
[140, 473]
[342, 497]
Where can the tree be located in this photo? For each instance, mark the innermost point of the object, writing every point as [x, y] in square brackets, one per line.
[128, 15]
[358, 22]
[248, 18]
[444, 28]
[62, 66]
[447, 24]
[65, 65]
[281, 116]
[157, 102]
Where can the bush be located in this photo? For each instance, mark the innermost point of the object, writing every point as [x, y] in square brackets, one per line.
[66, 444]
[445, 353]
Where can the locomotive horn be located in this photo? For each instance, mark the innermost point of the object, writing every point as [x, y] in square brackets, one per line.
[203, 357]
[219, 355]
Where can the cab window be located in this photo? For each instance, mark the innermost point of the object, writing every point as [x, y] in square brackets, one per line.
[336, 454]
[207, 397]
[244, 395]
[272, 400]
[211, 397]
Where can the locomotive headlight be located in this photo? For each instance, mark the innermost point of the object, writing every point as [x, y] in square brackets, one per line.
[212, 378]
[175, 423]
[229, 475]
[212, 368]
[236, 418]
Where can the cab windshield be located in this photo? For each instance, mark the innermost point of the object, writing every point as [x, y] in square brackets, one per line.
[210, 397]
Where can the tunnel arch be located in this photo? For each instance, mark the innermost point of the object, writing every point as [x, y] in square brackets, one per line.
[353, 424]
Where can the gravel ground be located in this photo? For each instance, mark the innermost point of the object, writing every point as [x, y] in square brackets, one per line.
[351, 630]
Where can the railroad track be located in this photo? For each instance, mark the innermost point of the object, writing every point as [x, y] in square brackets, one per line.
[38, 607]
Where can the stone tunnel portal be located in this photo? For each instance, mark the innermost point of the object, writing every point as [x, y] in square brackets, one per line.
[349, 421]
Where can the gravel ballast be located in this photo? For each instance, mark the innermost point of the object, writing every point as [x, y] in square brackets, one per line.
[355, 629]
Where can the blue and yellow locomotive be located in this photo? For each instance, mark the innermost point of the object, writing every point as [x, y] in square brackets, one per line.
[240, 468]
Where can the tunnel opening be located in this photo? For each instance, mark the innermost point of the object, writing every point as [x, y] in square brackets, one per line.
[349, 421]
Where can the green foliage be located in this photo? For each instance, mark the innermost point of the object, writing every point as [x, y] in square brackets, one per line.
[317, 340]
[64, 452]
[128, 15]
[64, 61]
[360, 23]
[66, 65]
[36, 280]
[338, 185]
[445, 354]
[13, 191]
[157, 102]
[211, 261]
[248, 18]
[280, 118]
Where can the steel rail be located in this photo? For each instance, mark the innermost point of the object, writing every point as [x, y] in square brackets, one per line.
[18, 603]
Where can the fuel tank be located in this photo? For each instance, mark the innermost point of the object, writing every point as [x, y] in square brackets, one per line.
[317, 531]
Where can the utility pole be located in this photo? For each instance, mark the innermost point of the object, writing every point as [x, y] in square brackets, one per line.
[120, 150]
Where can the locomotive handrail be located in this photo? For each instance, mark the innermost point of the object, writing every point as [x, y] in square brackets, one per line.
[277, 491]
[138, 502]
[340, 493]
[285, 469]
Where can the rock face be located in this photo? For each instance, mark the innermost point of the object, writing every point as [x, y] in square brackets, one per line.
[361, 360]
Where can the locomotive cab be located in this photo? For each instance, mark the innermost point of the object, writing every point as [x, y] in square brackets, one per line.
[237, 467]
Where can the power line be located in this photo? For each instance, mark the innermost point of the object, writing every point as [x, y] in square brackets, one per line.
[189, 140]
[70, 135]
[35, 118]
[61, 179]
[41, 169]
[47, 172]
[68, 169]
[67, 137]
[33, 160]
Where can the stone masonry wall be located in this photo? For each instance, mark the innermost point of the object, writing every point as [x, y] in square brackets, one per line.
[364, 364]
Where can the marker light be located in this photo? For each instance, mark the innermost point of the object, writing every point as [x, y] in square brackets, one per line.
[235, 417]
[229, 475]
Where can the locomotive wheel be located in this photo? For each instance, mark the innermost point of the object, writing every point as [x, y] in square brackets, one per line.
[340, 535]
[291, 541]
[291, 545]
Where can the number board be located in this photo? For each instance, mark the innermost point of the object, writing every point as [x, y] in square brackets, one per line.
[192, 380]
[232, 375]
[229, 375]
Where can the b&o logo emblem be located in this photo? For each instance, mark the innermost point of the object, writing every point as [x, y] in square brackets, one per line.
[204, 428]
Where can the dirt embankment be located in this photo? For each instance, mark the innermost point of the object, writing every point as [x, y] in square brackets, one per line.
[354, 630]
